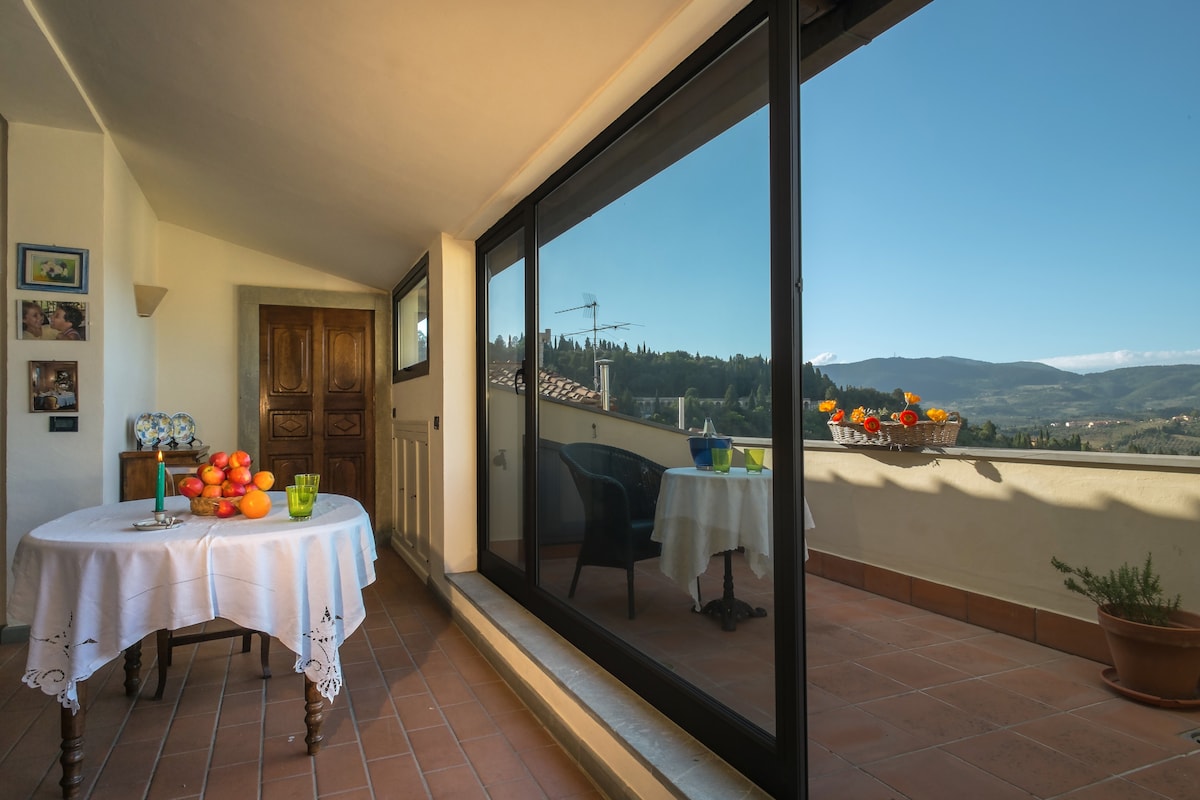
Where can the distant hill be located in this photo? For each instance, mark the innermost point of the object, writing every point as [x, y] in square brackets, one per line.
[1026, 392]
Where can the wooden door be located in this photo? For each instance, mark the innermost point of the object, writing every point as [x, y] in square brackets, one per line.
[316, 397]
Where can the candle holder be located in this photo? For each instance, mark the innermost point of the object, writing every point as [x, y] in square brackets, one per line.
[162, 517]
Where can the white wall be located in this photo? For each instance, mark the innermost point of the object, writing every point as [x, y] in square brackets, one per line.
[197, 326]
[55, 197]
[448, 392]
[988, 521]
[129, 341]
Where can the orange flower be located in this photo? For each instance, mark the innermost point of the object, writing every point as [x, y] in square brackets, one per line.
[937, 415]
[858, 414]
[911, 398]
[826, 405]
[838, 415]
[908, 418]
[871, 424]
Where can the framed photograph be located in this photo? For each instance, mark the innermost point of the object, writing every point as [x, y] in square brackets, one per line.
[52, 269]
[53, 385]
[51, 320]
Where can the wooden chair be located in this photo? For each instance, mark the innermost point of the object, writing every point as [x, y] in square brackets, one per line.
[619, 490]
[167, 641]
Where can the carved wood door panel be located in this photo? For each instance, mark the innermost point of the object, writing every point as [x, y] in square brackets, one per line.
[316, 401]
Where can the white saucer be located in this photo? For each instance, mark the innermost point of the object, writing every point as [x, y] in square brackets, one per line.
[154, 525]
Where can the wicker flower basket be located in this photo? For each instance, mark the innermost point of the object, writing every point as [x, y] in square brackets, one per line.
[893, 434]
[207, 506]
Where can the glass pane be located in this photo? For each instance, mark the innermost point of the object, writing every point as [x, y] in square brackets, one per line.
[653, 313]
[412, 324]
[505, 275]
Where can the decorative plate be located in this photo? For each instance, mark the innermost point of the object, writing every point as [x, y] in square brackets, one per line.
[162, 427]
[183, 428]
[143, 429]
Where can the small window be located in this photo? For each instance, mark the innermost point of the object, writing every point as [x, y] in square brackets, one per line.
[410, 317]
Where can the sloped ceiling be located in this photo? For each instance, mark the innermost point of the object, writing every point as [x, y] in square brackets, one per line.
[343, 136]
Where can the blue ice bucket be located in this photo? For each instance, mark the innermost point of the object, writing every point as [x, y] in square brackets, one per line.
[702, 447]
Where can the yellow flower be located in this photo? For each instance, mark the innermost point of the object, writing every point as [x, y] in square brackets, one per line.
[827, 405]
[937, 415]
[911, 398]
[858, 414]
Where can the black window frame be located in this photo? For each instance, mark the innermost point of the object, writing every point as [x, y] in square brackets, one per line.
[410, 282]
[777, 763]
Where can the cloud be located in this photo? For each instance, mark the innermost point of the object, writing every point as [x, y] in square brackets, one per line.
[1099, 362]
[823, 359]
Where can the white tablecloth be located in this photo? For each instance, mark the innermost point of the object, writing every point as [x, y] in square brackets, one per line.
[701, 513]
[91, 585]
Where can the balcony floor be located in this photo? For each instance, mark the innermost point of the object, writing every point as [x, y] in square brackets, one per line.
[902, 704]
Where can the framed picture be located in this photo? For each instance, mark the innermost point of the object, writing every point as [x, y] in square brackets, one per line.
[53, 385]
[51, 320]
[52, 269]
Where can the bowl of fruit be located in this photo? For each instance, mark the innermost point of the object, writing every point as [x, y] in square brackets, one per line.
[225, 485]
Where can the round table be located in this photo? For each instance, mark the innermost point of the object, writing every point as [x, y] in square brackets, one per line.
[91, 584]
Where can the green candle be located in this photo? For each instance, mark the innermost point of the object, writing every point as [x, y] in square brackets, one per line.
[162, 481]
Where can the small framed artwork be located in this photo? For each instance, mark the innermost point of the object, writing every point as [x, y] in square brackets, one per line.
[51, 320]
[53, 386]
[52, 269]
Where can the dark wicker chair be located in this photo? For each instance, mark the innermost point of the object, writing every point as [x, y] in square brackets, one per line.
[619, 490]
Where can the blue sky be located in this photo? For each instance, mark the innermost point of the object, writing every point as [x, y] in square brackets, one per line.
[1003, 187]
[974, 184]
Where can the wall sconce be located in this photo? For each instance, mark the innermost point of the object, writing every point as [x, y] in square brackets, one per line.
[147, 298]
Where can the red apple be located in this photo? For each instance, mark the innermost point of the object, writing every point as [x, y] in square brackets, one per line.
[226, 509]
[211, 490]
[210, 474]
[220, 459]
[240, 475]
[231, 489]
[191, 486]
[239, 458]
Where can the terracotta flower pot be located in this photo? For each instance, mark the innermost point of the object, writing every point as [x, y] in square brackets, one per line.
[1163, 662]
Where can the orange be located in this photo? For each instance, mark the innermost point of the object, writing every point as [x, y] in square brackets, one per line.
[264, 479]
[255, 504]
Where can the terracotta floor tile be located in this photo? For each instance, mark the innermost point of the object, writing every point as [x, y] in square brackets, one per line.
[990, 702]
[1082, 740]
[887, 682]
[436, 748]
[399, 774]
[460, 783]
[849, 783]
[340, 769]
[926, 719]
[1115, 789]
[968, 658]
[494, 760]
[555, 772]
[1049, 687]
[936, 775]
[1178, 777]
[1032, 766]
[857, 736]
[912, 669]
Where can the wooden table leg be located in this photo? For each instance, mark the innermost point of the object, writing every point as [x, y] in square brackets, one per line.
[72, 746]
[314, 715]
[133, 668]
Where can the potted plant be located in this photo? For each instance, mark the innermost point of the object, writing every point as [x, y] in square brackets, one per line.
[1155, 647]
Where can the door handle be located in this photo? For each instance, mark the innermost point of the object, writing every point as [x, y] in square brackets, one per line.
[518, 377]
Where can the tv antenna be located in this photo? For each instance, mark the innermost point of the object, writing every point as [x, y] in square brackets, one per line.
[592, 305]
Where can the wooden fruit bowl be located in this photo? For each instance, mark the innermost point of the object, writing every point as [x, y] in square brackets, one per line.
[207, 506]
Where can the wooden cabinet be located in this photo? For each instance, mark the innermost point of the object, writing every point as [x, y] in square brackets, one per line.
[139, 468]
